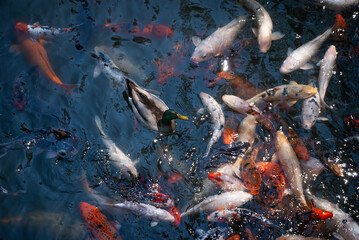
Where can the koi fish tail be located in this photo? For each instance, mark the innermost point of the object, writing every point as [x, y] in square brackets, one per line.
[68, 88]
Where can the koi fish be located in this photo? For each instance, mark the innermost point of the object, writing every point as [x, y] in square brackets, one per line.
[296, 237]
[176, 214]
[351, 121]
[298, 146]
[235, 215]
[243, 107]
[144, 210]
[226, 182]
[292, 91]
[218, 41]
[225, 200]
[340, 224]
[38, 31]
[229, 136]
[337, 5]
[96, 223]
[273, 182]
[339, 28]
[57, 142]
[36, 54]
[310, 110]
[148, 30]
[248, 171]
[108, 67]
[299, 58]
[312, 168]
[217, 116]
[123, 162]
[265, 25]
[159, 199]
[326, 71]
[290, 166]
[247, 130]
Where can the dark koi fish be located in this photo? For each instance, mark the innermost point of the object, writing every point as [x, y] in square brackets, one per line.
[148, 30]
[298, 146]
[97, 224]
[249, 172]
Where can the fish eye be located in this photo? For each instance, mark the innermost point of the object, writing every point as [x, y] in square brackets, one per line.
[204, 55]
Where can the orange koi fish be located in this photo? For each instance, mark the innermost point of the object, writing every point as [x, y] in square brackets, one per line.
[229, 135]
[148, 30]
[249, 173]
[298, 146]
[36, 54]
[339, 28]
[176, 214]
[234, 237]
[273, 182]
[97, 223]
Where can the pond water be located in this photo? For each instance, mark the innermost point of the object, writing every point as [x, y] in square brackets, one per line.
[40, 194]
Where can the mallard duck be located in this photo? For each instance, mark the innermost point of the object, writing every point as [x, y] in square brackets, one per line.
[150, 110]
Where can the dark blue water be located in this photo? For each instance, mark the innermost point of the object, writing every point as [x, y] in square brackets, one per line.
[44, 193]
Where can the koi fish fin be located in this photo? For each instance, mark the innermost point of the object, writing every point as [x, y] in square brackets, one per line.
[42, 41]
[306, 66]
[293, 83]
[68, 88]
[201, 111]
[255, 31]
[322, 119]
[289, 51]
[196, 40]
[320, 62]
[324, 104]
[96, 71]
[153, 224]
[115, 224]
[99, 126]
[51, 154]
[277, 36]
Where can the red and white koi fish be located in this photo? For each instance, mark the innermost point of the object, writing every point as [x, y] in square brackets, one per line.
[299, 58]
[273, 182]
[226, 182]
[148, 30]
[265, 25]
[290, 165]
[159, 199]
[97, 224]
[292, 91]
[144, 210]
[217, 42]
[341, 223]
[217, 116]
[326, 71]
[36, 54]
[38, 31]
[225, 200]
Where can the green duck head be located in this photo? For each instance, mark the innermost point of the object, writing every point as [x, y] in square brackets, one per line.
[171, 114]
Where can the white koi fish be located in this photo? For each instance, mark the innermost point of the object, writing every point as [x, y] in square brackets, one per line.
[296, 237]
[217, 116]
[226, 182]
[144, 210]
[290, 165]
[326, 71]
[38, 31]
[108, 67]
[121, 160]
[310, 111]
[247, 130]
[338, 5]
[299, 58]
[292, 91]
[217, 42]
[225, 200]
[341, 223]
[312, 168]
[265, 25]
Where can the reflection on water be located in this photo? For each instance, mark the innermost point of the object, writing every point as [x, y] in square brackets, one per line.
[40, 195]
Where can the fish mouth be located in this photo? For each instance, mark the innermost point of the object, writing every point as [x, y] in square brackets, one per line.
[194, 60]
[179, 116]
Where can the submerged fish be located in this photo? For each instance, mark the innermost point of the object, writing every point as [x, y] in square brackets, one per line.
[36, 54]
[248, 171]
[247, 130]
[148, 30]
[97, 224]
[265, 25]
[121, 160]
[217, 42]
[217, 116]
[144, 210]
[310, 111]
[299, 58]
[57, 142]
[292, 91]
[338, 5]
[39, 31]
[298, 146]
[326, 71]
[225, 200]
[290, 166]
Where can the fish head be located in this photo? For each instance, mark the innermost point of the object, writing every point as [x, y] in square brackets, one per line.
[218, 216]
[21, 27]
[160, 199]
[320, 214]
[307, 91]
[202, 53]
[216, 178]
[289, 65]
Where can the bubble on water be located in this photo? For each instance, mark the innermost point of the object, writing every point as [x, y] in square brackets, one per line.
[297, 36]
